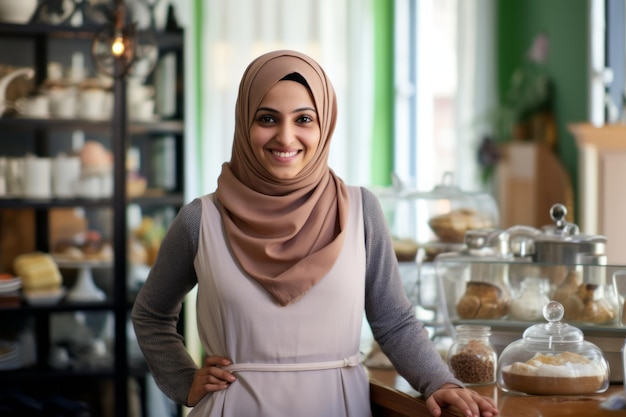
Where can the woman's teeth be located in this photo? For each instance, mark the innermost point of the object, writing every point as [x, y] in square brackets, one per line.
[285, 154]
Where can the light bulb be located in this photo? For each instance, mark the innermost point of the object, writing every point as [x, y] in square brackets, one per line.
[117, 47]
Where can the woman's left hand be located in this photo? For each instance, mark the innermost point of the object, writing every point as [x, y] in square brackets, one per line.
[470, 403]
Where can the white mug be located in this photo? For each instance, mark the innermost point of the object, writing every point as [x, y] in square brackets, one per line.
[142, 110]
[62, 102]
[92, 104]
[37, 181]
[89, 186]
[65, 175]
[33, 106]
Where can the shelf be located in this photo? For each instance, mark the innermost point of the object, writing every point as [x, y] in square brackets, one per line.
[48, 203]
[30, 30]
[87, 31]
[27, 309]
[516, 326]
[26, 374]
[51, 374]
[174, 199]
[135, 128]
[157, 126]
[167, 199]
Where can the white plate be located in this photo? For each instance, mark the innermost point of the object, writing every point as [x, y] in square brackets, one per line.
[47, 298]
[10, 285]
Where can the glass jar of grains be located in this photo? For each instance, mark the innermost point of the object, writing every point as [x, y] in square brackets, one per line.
[471, 357]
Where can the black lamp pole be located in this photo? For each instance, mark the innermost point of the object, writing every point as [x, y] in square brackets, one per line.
[119, 145]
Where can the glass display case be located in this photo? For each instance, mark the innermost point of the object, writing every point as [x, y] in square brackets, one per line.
[434, 220]
[503, 278]
[424, 224]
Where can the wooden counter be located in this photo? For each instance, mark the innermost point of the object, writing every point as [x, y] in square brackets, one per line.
[392, 396]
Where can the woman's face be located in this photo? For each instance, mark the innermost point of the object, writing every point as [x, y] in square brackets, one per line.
[285, 133]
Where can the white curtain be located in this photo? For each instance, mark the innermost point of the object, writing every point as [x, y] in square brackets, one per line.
[476, 93]
[337, 33]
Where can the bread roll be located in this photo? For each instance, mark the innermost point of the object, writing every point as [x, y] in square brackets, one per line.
[451, 227]
[38, 271]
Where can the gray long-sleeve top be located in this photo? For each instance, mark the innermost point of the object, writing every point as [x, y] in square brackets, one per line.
[389, 312]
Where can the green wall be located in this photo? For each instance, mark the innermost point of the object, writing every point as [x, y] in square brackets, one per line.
[383, 130]
[566, 24]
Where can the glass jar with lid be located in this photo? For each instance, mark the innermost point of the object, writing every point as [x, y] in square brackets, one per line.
[471, 357]
[552, 358]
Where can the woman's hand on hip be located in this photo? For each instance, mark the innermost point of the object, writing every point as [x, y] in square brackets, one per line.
[210, 378]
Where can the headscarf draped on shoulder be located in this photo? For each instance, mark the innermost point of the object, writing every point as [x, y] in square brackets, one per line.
[285, 234]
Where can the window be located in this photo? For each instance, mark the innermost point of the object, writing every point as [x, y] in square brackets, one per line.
[444, 84]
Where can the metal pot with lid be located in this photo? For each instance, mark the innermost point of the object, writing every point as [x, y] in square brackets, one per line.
[562, 243]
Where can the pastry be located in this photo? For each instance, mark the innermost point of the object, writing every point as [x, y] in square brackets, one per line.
[586, 306]
[67, 250]
[481, 300]
[93, 248]
[451, 227]
[565, 373]
[567, 287]
[38, 272]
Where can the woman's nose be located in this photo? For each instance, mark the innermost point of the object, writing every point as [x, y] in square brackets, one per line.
[285, 134]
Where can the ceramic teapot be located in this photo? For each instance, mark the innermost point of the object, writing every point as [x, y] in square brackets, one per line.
[6, 80]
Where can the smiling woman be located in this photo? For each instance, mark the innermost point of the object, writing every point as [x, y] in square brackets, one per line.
[288, 260]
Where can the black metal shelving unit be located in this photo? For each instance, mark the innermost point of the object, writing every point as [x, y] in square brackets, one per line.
[122, 135]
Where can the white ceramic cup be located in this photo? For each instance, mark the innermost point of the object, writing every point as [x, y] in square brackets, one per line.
[65, 175]
[37, 177]
[36, 106]
[142, 110]
[55, 71]
[92, 104]
[62, 102]
[89, 186]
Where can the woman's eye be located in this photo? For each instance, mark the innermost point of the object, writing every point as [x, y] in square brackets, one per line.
[267, 119]
[305, 119]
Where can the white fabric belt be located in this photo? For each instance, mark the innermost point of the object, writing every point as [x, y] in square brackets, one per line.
[353, 360]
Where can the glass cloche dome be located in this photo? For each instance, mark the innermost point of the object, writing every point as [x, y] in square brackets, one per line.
[552, 359]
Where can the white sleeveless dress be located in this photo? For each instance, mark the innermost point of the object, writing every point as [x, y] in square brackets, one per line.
[300, 360]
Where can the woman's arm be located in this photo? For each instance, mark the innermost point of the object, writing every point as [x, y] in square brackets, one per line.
[389, 312]
[157, 308]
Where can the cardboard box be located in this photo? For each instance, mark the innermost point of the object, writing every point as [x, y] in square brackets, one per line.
[529, 179]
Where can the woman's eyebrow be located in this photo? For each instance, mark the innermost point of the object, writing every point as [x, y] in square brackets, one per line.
[311, 109]
[301, 109]
[269, 109]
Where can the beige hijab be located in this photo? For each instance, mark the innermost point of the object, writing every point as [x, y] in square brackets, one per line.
[286, 234]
